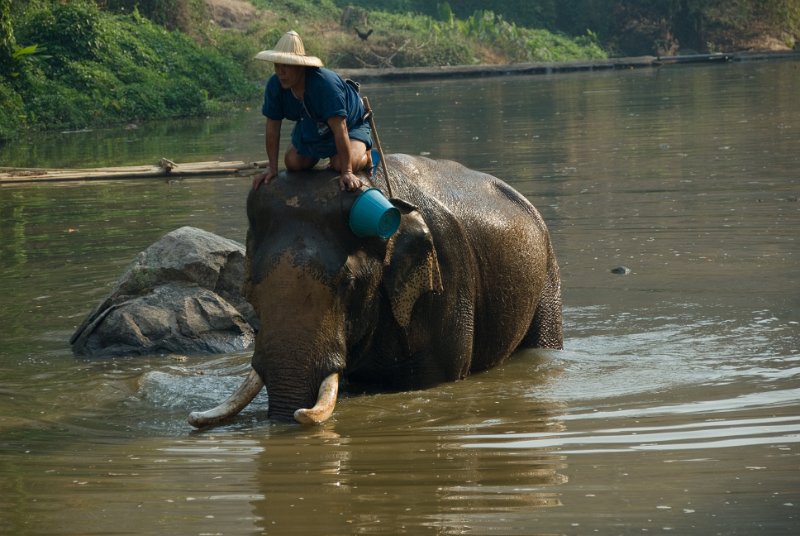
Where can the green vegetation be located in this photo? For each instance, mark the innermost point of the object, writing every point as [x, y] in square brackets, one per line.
[633, 27]
[407, 39]
[82, 63]
[83, 66]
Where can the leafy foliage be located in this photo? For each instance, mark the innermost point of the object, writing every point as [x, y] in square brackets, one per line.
[73, 31]
[172, 14]
[407, 39]
[102, 69]
[7, 40]
[12, 116]
[631, 27]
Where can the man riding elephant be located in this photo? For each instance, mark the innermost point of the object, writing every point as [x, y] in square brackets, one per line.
[328, 111]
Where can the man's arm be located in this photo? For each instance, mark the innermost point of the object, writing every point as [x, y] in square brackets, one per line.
[273, 142]
[272, 135]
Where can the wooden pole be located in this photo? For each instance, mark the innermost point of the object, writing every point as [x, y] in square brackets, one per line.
[377, 139]
[165, 168]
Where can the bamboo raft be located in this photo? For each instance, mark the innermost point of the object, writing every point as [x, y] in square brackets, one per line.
[165, 168]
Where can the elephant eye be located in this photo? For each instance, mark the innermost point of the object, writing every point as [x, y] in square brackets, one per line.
[348, 278]
[356, 268]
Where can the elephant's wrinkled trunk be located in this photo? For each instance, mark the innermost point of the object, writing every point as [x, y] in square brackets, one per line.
[326, 401]
[234, 404]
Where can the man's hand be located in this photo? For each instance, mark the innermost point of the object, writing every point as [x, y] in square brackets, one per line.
[349, 182]
[263, 178]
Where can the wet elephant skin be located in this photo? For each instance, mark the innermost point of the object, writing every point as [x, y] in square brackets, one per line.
[469, 277]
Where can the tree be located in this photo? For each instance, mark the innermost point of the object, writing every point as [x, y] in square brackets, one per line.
[7, 42]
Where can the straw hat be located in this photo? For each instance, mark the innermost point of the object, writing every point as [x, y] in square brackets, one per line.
[289, 51]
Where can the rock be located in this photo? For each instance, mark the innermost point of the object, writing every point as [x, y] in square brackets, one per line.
[621, 270]
[180, 295]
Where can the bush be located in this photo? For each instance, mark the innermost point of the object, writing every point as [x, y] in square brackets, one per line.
[183, 97]
[546, 46]
[140, 44]
[98, 68]
[241, 49]
[71, 30]
[54, 105]
[88, 77]
[172, 14]
[134, 101]
[12, 112]
[401, 40]
[443, 52]
[7, 42]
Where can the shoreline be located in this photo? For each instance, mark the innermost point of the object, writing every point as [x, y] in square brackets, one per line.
[168, 169]
[489, 70]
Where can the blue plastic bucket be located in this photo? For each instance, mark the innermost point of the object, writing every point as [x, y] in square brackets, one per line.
[376, 160]
[373, 215]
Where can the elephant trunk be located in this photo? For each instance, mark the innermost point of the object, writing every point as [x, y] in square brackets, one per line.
[326, 401]
[234, 404]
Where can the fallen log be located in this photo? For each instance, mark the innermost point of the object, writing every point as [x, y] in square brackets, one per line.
[165, 168]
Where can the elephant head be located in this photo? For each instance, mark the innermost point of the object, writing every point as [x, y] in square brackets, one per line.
[322, 293]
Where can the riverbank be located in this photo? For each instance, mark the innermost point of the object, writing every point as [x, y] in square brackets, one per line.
[86, 64]
[473, 71]
[91, 64]
[10, 175]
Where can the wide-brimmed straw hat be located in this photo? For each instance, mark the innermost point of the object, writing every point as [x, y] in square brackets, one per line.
[289, 51]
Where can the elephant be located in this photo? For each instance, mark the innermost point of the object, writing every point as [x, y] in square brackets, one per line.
[469, 276]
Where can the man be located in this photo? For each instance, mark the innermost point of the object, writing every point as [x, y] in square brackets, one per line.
[328, 112]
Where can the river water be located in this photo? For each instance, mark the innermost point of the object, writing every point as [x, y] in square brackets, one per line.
[674, 407]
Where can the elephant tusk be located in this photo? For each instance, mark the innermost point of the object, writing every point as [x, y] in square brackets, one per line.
[234, 404]
[326, 401]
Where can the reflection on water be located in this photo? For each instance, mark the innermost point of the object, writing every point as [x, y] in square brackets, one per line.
[715, 434]
[672, 408]
[227, 138]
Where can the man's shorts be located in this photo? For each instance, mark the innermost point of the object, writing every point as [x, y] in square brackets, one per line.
[325, 147]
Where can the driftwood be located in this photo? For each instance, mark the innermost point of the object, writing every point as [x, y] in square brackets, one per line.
[165, 168]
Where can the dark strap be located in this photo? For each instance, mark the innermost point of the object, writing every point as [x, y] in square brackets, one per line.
[352, 83]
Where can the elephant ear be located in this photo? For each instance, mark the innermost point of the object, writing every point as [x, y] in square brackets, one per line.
[411, 266]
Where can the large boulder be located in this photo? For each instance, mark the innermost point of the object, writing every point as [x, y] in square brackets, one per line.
[180, 295]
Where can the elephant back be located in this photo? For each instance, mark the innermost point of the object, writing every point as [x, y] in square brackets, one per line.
[470, 195]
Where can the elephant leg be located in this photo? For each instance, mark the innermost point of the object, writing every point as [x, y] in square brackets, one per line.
[441, 336]
[546, 330]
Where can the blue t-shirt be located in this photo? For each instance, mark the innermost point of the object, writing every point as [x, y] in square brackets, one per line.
[326, 95]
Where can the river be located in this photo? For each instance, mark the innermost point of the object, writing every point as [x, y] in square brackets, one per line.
[674, 407]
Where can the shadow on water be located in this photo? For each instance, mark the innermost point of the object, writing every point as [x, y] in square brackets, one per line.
[673, 406]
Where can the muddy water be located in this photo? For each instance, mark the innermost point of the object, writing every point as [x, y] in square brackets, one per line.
[675, 406]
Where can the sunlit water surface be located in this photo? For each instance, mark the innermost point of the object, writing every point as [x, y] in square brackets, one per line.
[675, 406]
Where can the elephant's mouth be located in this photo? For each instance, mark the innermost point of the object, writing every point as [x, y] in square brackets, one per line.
[252, 385]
